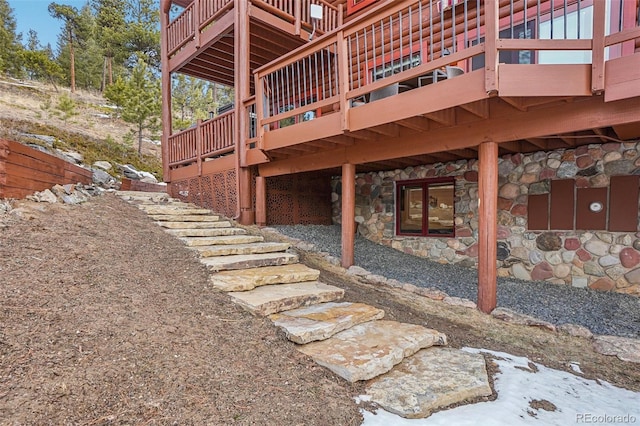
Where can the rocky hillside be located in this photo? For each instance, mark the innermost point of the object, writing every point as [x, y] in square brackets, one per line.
[85, 131]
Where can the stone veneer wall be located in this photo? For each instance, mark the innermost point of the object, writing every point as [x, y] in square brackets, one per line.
[598, 259]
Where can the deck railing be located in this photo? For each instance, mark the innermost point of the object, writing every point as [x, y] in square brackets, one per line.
[406, 44]
[206, 139]
[201, 13]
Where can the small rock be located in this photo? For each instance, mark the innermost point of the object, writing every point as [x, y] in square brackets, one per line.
[624, 348]
[629, 257]
[576, 330]
[47, 196]
[507, 315]
[459, 301]
[432, 293]
[358, 271]
[104, 165]
[603, 284]
[549, 241]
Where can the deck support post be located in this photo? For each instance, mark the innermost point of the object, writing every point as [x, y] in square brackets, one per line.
[348, 213]
[242, 92]
[487, 225]
[261, 201]
[166, 90]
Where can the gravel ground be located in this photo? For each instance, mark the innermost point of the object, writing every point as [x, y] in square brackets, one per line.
[602, 312]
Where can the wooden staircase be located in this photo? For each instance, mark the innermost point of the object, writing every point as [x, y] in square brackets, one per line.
[350, 339]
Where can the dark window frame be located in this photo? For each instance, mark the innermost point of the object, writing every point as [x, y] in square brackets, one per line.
[424, 184]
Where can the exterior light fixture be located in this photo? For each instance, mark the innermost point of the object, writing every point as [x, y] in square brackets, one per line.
[596, 207]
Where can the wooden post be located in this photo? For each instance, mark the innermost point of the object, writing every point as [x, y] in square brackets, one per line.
[261, 201]
[492, 17]
[343, 79]
[487, 225]
[166, 90]
[297, 14]
[597, 53]
[199, 146]
[348, 213]
[196, 23]
[242, 92]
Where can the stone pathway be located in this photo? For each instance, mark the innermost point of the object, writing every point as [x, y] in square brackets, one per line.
[410, 373]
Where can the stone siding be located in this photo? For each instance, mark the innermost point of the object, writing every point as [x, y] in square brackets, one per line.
[598, 259]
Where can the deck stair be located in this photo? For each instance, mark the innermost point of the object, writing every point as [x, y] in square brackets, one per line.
[351, 339]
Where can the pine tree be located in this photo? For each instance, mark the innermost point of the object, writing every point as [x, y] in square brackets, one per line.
[143, 35]
[10, 46]
[110, 35]
[140, 98]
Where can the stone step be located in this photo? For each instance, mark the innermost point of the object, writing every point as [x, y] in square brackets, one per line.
[371, 349]
[185, 217]
[153, 209]
[196, 225]
[222, 240]
[144, 196]
[431, 379]
[271, 299]
[232, 249]
[242, 261]
[211, 232]
[248, 279]
[319, 322]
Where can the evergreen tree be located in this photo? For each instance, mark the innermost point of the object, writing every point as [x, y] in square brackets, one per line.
[10, 46]
[140, 98]
[111, 34]
[192, 99]
[76, 29]
[143, 36]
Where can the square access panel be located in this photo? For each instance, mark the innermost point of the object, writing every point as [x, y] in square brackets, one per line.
[591, 209]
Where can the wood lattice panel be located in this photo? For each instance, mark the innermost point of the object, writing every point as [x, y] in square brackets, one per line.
[299, 199]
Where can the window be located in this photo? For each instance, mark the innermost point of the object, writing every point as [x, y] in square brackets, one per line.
[396, 66]
[567, 27]
[356, 5]
[425, 207]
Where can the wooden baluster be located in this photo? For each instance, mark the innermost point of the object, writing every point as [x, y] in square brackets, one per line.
[198, 141]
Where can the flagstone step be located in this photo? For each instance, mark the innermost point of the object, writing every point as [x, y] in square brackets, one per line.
[431, 379]
[371, 349]
[232, 249]
[271, 299]
[144, 196]
[185, 217]
[152, 209]
[196, 225]
[242, 261]
[248, 279]
[222, 240]
[210, 232]
[319, 322]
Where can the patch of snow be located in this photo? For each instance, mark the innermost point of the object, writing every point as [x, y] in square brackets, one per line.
[576, 400]
[575, 366]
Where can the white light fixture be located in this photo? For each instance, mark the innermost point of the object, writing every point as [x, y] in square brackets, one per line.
[315, 12]
[596, 207]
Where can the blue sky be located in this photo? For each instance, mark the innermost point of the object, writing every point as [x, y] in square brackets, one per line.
[33, 14]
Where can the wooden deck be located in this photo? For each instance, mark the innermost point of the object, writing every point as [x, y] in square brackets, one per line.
[317, 100]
